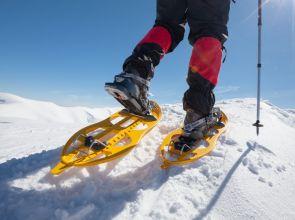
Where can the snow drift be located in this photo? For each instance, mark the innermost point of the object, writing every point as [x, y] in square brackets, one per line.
[18, 107]
[245, 177]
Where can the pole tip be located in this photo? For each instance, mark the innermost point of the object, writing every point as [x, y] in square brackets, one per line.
[258, 125]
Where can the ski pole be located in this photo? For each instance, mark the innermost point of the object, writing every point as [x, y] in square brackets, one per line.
[259, 65]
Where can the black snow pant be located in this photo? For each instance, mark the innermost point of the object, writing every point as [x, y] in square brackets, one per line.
[207, 20]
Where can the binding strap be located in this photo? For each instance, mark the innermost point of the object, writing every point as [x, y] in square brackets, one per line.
[206, 121]
[132, 76]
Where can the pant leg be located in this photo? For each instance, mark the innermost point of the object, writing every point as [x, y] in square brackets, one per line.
[208, 31]
[163, 38]
[171, 14]
[208, 18]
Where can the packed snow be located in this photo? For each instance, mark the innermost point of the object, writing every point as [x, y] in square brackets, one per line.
[245, 177]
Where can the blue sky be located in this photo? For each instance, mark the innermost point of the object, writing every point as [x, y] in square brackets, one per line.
[65, 50]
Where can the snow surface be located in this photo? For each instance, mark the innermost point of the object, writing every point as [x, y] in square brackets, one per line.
[245, 177]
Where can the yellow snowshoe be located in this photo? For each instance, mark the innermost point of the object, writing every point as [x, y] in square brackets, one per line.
[172, 156]
[107, 140]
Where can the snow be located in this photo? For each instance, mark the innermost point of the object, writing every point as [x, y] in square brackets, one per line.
[245, 177]
[17, 107]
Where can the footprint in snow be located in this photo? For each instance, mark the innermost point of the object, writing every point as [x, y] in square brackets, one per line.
[227, 141]
[263, 180]
[263, 162]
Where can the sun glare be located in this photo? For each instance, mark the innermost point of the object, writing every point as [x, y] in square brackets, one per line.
[278, 5]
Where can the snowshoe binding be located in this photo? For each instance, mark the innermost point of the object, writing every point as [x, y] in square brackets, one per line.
[196, 127]
[196, 139]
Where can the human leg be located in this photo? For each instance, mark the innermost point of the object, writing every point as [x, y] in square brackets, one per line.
[208, 31]
[130, 88]
[163, 38]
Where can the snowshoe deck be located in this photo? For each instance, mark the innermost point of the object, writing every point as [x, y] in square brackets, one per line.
[107, 140]
[173, 157]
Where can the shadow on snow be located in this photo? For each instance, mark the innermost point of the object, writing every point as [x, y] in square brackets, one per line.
[107, 194]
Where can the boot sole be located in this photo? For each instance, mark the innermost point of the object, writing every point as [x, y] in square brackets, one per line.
[122, 95]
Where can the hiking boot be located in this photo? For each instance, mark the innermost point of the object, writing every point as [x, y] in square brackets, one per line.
[131, 91]
[196, 127]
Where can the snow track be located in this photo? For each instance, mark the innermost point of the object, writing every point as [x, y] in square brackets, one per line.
[245, 177]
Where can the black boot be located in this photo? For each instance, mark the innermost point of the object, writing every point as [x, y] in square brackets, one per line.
[196, 127]
[131, 87]
[131, 91]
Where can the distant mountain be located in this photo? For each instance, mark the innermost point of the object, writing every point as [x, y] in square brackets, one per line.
[17, 107]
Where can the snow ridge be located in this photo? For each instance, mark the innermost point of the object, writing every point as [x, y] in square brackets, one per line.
[245, 177]
[17, 107]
